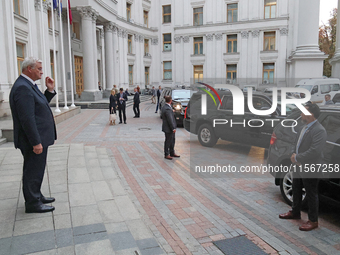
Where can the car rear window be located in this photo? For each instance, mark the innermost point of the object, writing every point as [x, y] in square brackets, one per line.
[335, 87]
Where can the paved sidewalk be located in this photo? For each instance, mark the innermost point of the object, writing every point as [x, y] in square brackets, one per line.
[94, 214]
[116, 195]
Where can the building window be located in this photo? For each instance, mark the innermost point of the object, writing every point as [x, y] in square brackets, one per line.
[20, 55]
[198, 73]
[198, 45]
[268, 73]
[167, 70]
[167, 14]
[130, 75]
[147, 81]
[52, 63]
[269, 9]
[146, 18]
[49, 18]
[76, 30]
[146, 47]
[16, 4]
[198, 16]
[231, 73]
[231, 43]
[167, 42]
[130, 44]
[269, 41]
[232, 12]
[128, 11]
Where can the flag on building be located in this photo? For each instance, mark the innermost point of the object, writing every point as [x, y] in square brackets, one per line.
[70, 12]
[55, 5]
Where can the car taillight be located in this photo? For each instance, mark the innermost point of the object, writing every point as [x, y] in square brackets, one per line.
[273, 139]
[185, 113]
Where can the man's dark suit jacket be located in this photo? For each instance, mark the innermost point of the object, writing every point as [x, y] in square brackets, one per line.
[33, 120]
[169, 122]
[124, 101]
[312, 144]
[136, 98]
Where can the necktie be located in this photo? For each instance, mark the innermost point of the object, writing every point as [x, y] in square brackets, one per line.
[300, 138]
[121, 101]
[36, 86]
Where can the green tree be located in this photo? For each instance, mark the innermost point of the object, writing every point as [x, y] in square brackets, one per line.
[327, 39]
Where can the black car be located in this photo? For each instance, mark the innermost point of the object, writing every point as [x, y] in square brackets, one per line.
[202, 125]
[282, 145]
[180, 98]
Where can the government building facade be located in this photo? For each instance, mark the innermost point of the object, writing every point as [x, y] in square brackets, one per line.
[148, 43]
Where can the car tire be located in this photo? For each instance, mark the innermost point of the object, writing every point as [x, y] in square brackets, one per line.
[286, 188]
[206, 135]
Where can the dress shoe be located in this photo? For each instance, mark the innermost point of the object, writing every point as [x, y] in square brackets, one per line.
[175, 156]
[120, 122]
[47, 200]
[125, 123]
[289, 216]
[155, 112]
[135, 116]
[308, 226]
[39, 209]
[168, 157]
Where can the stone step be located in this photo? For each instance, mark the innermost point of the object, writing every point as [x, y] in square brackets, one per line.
[3, 140]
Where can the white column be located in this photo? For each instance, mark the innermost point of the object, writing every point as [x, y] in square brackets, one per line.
[136, 66]
[307, 60]
[218, 57]
[95, 48]
[335, 61]
[243, 58]
[208, 47]
[115, 56]
[187, 70]
[103, 59]
[88, 65]
[122, 58]
[255, 58]
[109, 56]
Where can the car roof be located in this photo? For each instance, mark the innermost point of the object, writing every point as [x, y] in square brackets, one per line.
[330, 107]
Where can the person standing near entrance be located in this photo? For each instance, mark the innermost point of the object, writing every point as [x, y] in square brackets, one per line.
[122, 98]
[159, 92]
[169, 128]
[34, 131]
[308, 153]
[136, 103]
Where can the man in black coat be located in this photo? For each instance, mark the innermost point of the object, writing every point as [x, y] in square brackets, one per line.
[34, 131]
[169, 128]
[122, 98]
[136, 103]
[310, 142]
[159, 92]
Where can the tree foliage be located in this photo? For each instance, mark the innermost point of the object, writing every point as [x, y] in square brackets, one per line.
[327, 41]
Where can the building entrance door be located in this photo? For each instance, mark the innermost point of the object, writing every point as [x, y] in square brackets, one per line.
[78, 64]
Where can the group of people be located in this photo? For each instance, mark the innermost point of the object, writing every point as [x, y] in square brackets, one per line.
[156, 93]
[118, 101]
[35, 131]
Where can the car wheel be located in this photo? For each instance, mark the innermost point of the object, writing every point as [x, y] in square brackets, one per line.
[286, 188]
[206, 135]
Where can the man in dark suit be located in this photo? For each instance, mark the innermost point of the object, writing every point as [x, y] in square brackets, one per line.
[136, 103]
[169, 129]
[159, 92]
[122, 98]
[311, 140]
[34, 131]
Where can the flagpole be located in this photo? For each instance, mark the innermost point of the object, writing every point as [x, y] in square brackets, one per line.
[54, 62]
[69, 52]
[42, 42]
[62, 55]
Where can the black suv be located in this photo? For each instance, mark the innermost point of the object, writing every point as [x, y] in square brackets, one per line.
[282, 145]
[202, 125]
[180, 98]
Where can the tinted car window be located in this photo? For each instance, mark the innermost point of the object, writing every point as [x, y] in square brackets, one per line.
[258, 103]
[335, 87]
[332, 149]
[227, 103]
[182, 94]
[326, 88]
